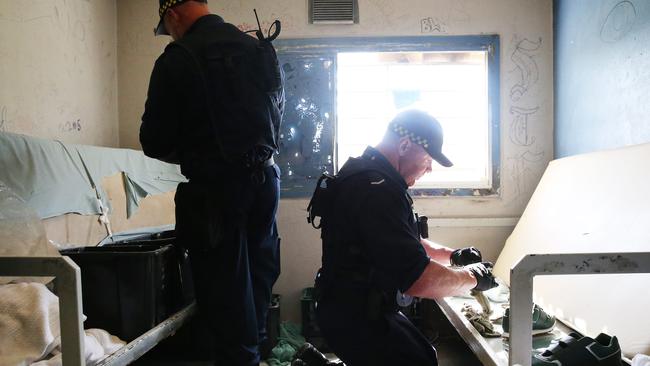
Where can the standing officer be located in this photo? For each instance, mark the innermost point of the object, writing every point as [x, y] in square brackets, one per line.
[373, 252]
[214, 106]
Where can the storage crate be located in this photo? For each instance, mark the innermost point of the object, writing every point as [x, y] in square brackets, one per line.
[127, 289]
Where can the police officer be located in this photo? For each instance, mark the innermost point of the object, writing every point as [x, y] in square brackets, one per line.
[372, 251]
[202, 113]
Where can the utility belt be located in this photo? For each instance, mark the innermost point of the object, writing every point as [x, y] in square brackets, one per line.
[354, 289]
[257, 172]
[216, 172]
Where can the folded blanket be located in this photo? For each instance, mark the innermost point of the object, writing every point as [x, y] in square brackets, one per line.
[29, 329]
[98, 345]
[29, 323]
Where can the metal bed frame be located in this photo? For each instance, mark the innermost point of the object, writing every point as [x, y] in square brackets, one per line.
[67, 285]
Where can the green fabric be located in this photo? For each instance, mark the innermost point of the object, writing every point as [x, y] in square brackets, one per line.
[142, 175]
[289, 341]
[56, 178]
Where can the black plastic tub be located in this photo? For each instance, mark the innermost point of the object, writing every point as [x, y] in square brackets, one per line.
[128, 289]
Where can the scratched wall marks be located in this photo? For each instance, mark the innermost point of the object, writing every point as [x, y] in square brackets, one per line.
[618, 22]
[519, 134]
[432, 25]
[527, 72]
[453, 15]
[60, 60]
[602, 83]
[521, 171]
[70, 126]
[523, 111]
[526, 66]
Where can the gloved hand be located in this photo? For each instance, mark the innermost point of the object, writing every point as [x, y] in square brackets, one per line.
[464, 256]
[483, 274]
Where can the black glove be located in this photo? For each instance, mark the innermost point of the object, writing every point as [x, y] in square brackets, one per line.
[464, 256]
[483, 274]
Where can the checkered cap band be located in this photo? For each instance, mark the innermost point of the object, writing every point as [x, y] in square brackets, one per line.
[168, 4]
[403, 131]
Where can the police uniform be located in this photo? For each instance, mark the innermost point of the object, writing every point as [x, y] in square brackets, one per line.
[226, 213]
[371, 250]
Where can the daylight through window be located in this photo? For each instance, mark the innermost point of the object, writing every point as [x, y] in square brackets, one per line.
[452, 86]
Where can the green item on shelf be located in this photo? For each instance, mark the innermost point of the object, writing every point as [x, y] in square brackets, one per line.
[542, 322]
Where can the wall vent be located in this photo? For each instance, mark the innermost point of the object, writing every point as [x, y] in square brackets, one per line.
[333, 11]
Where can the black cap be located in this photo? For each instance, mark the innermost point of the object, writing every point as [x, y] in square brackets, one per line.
[422, 129]
[162, 9]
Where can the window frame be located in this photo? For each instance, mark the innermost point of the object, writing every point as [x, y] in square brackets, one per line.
[489, 43]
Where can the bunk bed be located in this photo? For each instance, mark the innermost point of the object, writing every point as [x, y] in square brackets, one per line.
[583, 237]
[79, 195]
[67, 285]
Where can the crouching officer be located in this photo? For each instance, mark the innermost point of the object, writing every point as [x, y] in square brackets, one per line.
[373, 252]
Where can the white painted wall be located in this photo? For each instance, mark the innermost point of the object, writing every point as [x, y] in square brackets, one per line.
[58, 70]
[525, 27]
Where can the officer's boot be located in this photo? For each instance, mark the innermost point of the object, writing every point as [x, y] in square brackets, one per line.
[308, 355]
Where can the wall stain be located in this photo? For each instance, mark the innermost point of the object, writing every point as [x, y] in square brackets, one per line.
[4, 121]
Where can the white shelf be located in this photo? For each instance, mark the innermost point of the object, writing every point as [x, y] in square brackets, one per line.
[490, 351]
[496, 351]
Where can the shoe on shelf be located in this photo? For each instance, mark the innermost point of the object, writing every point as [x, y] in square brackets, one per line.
[542, 322]
[576, 350]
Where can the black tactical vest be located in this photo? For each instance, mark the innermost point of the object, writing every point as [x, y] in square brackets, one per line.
[244, 91]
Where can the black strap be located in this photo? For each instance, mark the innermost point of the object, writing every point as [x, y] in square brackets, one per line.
[315, 208]
[197, 63]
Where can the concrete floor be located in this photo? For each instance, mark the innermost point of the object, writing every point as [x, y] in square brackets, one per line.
[452, 350]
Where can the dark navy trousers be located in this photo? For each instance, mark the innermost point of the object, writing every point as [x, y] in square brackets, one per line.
[230, 230]
[388, 339]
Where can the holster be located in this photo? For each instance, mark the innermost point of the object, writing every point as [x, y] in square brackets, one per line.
[423, 226]
[375, 300]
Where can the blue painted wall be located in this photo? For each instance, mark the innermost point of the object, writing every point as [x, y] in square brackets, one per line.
[602, 74]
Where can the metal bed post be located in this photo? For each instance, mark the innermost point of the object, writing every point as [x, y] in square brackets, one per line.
[67, 280]
[521, 287]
